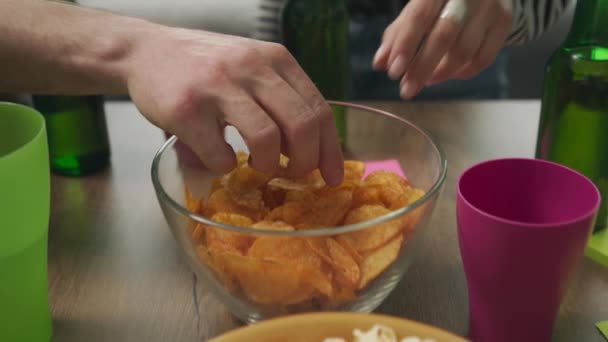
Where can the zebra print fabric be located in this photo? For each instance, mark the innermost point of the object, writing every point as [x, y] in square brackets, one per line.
[269, 20]
[530, 18]
[533, 17]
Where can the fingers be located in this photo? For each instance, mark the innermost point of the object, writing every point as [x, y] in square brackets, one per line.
[465, 47]
[380, 61]
[480, 42]
[261, 134]
[414, 22]
[297, 121]
[463, 41]
[442, 36]
[490, 47]
[254, 86]
[204, 135]
[330, 159]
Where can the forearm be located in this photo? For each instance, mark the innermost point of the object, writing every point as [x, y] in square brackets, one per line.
[56, 48]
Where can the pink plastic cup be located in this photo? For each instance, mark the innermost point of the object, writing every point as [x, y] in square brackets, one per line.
[522, 226]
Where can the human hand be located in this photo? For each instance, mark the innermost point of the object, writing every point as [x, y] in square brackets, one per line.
[433, 41]
[194, 83]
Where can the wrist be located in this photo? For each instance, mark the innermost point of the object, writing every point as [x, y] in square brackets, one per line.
[139, 48]
[110, 56]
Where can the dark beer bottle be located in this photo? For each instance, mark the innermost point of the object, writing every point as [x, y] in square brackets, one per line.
[316, 34]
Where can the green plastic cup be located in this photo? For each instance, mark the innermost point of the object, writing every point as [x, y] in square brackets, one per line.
[24, 217]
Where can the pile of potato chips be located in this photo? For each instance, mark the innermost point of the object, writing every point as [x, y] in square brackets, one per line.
[301, 272]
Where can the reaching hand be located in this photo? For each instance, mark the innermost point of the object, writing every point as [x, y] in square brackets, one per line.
[193, 83]
[435, 40]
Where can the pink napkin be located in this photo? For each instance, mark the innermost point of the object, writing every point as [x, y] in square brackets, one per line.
[385, 165]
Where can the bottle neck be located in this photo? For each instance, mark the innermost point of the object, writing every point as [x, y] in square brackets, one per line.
[589, 25]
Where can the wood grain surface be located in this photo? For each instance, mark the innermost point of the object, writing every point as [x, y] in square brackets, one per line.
[116, 274]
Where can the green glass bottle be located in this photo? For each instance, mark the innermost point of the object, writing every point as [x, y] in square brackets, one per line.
[316, 34]
[77, 133]
[573, 128]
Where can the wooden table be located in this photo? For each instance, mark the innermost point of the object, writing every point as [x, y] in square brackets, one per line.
[116, 274]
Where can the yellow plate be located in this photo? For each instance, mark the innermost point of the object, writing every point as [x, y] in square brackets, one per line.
[315, 327]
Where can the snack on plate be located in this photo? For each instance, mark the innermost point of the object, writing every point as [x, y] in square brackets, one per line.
[301, 273]
[378, 333]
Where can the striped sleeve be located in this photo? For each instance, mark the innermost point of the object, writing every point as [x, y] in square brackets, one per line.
[531, 18]
[268, 26]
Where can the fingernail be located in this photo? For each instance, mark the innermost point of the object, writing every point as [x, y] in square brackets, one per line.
[408, 90]
[397, 68]
[339, 176]
[378, 54]
[336, 178]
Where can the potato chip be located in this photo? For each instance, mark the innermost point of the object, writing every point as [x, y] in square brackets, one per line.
[268, 282]
[208, 259]
[407, 198]
[284, 249]
[341, 296]
[222, 239]
[244, 186]
[283, 161]
[192, 203]
[291, 212]
[232, 219]
[304, 196]
[329, 210]
[242, 158]
[287, 184]
[302, 273]
[273, 225]
[221, 201]
[198, 232]
[353, 170]
[296, 207]
[343, 263]
[344, 266]
[383, 177]
[367, 194]
[293, 251]
[273, 197]
[369, 239]
[346, 185]
[313, 181]
[345, 242]
[252, 199]
[282, 171]
[318, 245]
[392, 187]
[415, 194]
[411, 219]
[320, 278]
[295, 212]
[377, 261]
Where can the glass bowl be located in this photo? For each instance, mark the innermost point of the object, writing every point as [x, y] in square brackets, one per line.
[371, 135]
